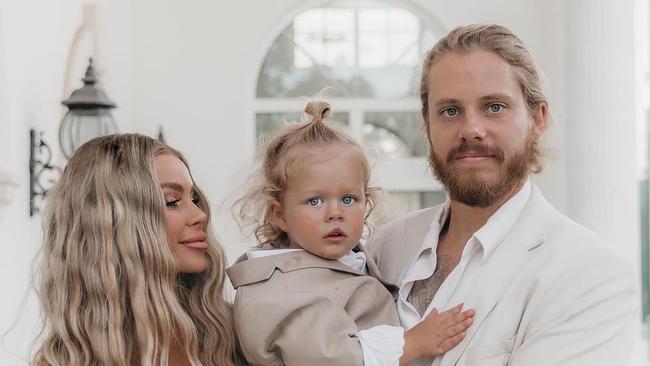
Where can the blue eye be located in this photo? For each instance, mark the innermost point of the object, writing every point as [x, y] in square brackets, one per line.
[348, 200]
[449, 112]
[495, 107]
[315, 202]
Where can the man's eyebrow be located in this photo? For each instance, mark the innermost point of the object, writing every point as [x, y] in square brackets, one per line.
[174, 186]
[493, 96]
[497, 96]
[444, 101]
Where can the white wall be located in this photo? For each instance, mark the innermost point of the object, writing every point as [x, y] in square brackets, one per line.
[35, 37]
[601, 124]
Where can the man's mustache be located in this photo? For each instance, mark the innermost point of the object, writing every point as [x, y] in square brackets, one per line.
[475, 148]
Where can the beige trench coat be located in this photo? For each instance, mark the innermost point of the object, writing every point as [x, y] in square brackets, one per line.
[298, 309]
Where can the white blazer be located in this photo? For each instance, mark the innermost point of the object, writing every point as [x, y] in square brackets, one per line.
[551, 294]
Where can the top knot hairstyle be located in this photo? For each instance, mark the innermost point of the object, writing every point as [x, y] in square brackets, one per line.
[253, 208]
[318, 110]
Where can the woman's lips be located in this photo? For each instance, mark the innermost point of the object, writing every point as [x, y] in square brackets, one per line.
[196, 245]
[196, 242]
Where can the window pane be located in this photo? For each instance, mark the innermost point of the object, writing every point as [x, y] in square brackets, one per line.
[368, 50]
[372, 20]
[267, 124]
[403, 21]
[372, 50]
[324, 36]
[393, 135]
[404, 49]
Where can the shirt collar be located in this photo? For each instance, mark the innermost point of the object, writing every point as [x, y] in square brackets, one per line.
[499, 224]
[489, 235]
[431, 239]
[354, 260]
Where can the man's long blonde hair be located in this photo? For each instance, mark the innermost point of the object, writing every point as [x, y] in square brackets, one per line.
[107, 280]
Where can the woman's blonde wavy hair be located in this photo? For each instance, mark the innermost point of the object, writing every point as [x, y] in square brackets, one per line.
[265, 188]
[107, 280]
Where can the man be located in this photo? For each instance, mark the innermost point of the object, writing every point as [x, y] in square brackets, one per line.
[546, 291]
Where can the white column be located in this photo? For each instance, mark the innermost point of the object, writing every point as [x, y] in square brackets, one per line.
[601, 121]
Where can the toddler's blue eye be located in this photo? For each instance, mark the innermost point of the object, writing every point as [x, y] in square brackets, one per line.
[315, 202]
[348, 200]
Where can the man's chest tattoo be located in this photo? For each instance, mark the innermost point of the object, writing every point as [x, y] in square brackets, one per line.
[424, 290]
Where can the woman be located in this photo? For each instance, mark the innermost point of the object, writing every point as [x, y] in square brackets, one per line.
[130, 271]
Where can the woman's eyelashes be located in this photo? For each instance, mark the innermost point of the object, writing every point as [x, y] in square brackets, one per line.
[196, 199]
[173, 201]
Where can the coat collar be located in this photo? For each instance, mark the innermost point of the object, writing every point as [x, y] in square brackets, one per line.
[527, 234]
[248, 271]
[397, 244]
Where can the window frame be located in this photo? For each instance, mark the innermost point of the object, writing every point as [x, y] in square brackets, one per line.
[414, 172]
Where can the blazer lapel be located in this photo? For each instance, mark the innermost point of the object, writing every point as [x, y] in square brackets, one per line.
[373, 271]
[512, 254]
[399, 246]
[247, 271]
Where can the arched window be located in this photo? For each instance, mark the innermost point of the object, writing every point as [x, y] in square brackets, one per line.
[368, 53]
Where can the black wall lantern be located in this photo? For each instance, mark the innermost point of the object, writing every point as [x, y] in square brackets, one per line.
[88, 117]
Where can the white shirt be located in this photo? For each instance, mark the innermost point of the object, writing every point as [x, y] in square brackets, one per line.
[354, 260]
[456, 287]
[382, 345]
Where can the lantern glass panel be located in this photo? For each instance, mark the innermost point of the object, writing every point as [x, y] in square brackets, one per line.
[81, 125]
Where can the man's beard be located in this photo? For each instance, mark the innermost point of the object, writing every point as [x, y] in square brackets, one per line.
[469, 185]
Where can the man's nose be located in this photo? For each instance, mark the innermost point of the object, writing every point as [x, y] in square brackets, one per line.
[473, 127]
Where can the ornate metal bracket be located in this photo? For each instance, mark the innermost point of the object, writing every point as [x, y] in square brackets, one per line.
[40, 156]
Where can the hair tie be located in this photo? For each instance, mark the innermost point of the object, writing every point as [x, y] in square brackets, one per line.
[318, 110]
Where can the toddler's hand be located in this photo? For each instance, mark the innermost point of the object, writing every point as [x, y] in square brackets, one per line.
[439, 332]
